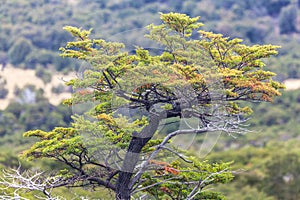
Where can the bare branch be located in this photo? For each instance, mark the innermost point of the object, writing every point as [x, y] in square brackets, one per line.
[32, 181]
[201, 183]
[152, 185]
[178, 154]
[145, 163]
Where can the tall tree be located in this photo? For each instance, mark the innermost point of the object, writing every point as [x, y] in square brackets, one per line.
[288, 20]
[118, 145]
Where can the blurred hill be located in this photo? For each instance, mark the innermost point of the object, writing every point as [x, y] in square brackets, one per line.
[31, 31]
[31, 34]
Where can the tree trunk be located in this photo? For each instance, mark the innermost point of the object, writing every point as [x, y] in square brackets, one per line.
[138, 141]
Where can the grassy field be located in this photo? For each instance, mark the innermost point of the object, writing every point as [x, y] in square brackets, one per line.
[19, 78]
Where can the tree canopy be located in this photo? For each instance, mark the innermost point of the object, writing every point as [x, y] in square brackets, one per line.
[200, 78]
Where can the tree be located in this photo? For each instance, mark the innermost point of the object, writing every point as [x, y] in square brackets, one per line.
[288, 20]
[19, 50]
[3, 90]
[117, 143]
[274, 6]
[282, 179]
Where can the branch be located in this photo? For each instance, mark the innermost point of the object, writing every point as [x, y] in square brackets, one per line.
[227, 125]
[197, 189]
[145, 163]
[32, 181]
[178, 154]
[152, 185]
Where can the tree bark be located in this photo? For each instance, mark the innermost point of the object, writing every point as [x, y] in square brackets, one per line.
[138, 141]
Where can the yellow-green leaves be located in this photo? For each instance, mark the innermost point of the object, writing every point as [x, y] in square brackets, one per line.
[143, 56]
[80, 47]
[93, 50]
[241, 67]
[181, 23]
[183, 174]
[78, 32]
[55, 143]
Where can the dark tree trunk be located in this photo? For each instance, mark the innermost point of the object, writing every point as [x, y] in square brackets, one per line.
[138, 141]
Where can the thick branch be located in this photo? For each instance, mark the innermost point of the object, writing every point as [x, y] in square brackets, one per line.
[137, 142]
[161, 146]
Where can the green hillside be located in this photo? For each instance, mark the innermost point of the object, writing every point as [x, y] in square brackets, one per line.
[266, 160]
[31, 31]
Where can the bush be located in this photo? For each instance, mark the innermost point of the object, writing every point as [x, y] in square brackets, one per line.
[288, 20]
[39, 57]
[274, 6]
[282, 178]
[58, 89]
[3, 90]
[3, 93]
[18, 52]
[43, 74]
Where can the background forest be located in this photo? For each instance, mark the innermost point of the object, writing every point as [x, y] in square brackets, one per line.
[267, 161]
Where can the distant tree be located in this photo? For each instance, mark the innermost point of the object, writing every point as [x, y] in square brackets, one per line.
[282, 178]
[3, 90]
[31, 110]
[288, 20]
[19, 50]
[7, 123]
[58, 89]
[43, 74]
[3, 60]
[39, 57]
[4, 45]
[117, 143]
[274, 6]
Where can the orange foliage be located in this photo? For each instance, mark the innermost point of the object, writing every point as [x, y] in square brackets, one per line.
[165, 189]
[84, 92]
[166, 166]
[171, 170]
[143, 87]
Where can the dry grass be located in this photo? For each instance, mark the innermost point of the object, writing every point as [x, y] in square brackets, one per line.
[292, 84]
[19, 78]
[72, 2]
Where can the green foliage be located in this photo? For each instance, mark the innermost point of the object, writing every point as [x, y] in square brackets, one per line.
[288, 20]
[274, 6]
[37, 58]
[44, 74]
[282, 179]
[181, 23]
[285, 111]
[31, 110]
[181, 173]
[59, 142]
[58, 89]
[7, 123]
[18, 52]
[3, 90]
